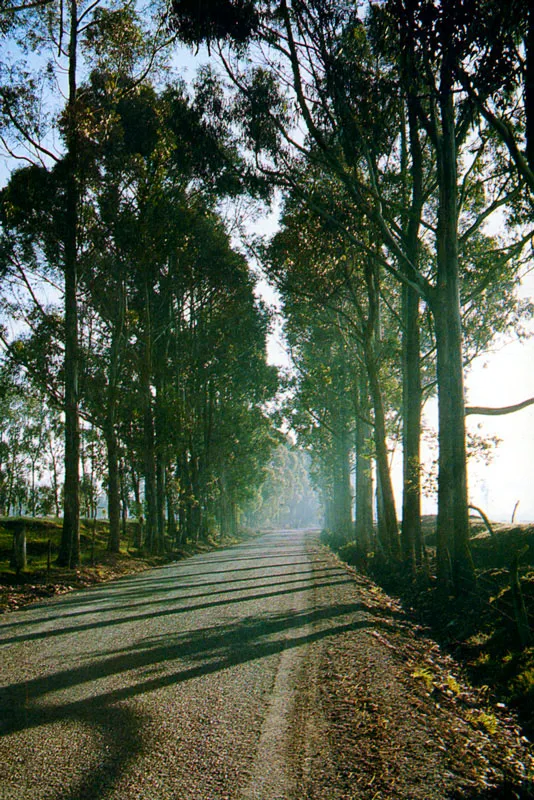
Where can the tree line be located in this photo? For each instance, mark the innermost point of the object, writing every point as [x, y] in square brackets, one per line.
[398, 137]
[132, 316]
[400, 134]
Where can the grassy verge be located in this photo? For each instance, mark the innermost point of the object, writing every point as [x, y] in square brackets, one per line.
[480, 631]
[42, 579]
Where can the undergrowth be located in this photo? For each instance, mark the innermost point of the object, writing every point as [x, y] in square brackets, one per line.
[97, 563]
[478, 630]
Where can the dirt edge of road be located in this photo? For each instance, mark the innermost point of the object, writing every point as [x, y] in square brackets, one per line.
[399, 709]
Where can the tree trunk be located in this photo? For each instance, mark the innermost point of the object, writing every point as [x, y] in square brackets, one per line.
[389, 514]
[150, 476]
[364, 478]
[124, 500]
[341, 523]
[55, 477]
[161, 469]
[453, 516]
[111, 424]
[411, 533]
[195, 510]
[149, 445]
[69, 549]
[18, 555]
[114, 506]
[371, 334]
[171, 513]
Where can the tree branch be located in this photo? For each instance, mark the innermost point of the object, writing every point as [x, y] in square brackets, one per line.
[27, 6]
[489, 411]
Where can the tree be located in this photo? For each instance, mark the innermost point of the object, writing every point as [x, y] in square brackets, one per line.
[316, 268]
[285, 498]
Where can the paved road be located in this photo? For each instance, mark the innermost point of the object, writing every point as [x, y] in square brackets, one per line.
[187, 682]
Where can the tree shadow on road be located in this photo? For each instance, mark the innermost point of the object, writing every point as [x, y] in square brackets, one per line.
[169, 660]
[244, 595]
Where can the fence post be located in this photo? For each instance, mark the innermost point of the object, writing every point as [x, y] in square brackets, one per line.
[18, 555]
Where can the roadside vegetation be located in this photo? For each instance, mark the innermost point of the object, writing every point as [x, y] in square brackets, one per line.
[42, 577]
[489, 633]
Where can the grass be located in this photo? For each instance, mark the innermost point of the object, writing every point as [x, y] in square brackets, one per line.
[97, 564]
[42, 531]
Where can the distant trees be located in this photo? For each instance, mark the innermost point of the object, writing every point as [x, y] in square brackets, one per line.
[30, 449]
[286, 498]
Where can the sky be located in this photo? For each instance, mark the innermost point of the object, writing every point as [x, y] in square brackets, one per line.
[501, 378]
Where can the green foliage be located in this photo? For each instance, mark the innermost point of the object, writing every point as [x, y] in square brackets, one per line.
[29, 432]
[197, 22]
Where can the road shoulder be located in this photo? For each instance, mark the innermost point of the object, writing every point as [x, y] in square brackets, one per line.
[400, 721]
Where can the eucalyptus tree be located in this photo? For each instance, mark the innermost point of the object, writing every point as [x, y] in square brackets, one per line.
[154, 237]
[315, 267]
[322, 410]
[218, 379]
[374, 89]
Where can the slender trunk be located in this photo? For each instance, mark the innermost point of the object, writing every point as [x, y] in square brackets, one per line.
[389, 514]
[69, 549]
[161, 468]
[411, 533]
[234, 518]
[161, 451]
[138, 539]
[114, 511]
[195, 507]
[453, 516]
[184, 494]
[171, 514]
[111, 426]
[364, 477]
[18, 555]
[411, 536]
[149, 447]
[371, 335]
[33, 489]
[124, 499]
[341, 522]
[150, 476]
[224, 506]
[328, 511]
[55, 478]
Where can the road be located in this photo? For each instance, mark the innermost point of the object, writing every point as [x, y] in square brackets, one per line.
[194, 681]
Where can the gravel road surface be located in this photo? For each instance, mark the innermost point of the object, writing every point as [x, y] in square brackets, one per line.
[259, 672]
[174, 683]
